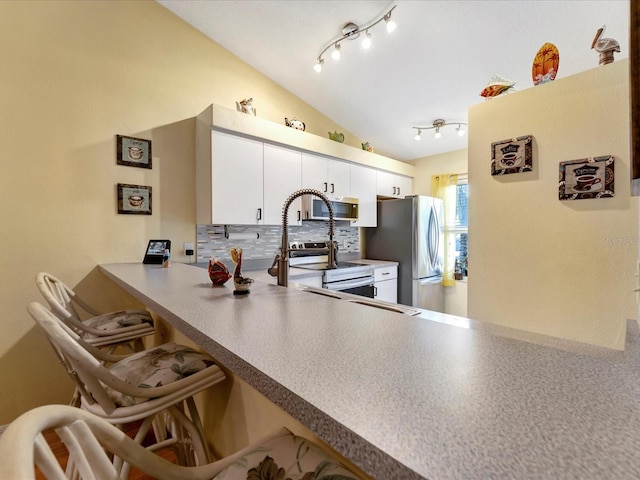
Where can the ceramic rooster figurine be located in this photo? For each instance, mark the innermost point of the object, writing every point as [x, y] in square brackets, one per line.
[241, 283]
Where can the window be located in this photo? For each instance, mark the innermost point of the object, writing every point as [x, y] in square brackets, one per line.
[461, 228]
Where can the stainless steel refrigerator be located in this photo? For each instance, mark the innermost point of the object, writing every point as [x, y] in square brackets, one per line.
[410, 232]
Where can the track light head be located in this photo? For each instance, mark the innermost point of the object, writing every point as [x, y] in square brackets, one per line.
[336, 52]
[417, 137]
[318, 66]
[366, 41]
[391, 25]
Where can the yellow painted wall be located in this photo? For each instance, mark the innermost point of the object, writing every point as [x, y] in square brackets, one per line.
[561, 268]
[455, 297]
[75, 74]
[426, 167]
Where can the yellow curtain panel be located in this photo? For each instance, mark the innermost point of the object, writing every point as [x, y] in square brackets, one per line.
[444, 186]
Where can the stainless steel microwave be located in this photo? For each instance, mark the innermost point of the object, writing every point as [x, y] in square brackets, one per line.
[344, 208]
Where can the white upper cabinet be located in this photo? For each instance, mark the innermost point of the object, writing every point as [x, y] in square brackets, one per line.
[392, 185]
[282, 177]
[331, 177]
[363, 187]
[236, 180]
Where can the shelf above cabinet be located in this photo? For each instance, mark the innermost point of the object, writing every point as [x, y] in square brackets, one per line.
[221, 118]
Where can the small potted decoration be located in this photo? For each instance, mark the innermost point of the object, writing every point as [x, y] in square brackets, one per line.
[242, 284]
[367, 146]
[336, 137]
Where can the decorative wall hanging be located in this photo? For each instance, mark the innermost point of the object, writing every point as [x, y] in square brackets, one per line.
[512, 156]
[545, 64]
[133, 152]
[586, 178]
[246, 106]
[134, 199]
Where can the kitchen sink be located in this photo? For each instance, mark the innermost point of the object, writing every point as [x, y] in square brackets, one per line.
[369, 302]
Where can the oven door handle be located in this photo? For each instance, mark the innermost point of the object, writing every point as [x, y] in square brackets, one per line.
[347, 284]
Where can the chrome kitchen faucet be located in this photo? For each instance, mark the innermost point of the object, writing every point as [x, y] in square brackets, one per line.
[280, 266]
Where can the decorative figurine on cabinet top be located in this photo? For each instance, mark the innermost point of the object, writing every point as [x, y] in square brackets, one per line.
[242, 284]
[497, 86]
[294, 123]
[218, 272]
[246, 106]
[545, 64]
[336, 137]
[367, 146]
[604, 46]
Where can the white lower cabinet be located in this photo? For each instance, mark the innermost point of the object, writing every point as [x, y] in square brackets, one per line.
[386, 283]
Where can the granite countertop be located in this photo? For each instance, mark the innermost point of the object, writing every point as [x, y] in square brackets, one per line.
[431, 396]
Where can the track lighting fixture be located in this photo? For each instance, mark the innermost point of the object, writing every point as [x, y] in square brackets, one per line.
[351, 31]
[437, 125]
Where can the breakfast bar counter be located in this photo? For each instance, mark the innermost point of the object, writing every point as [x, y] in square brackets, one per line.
[429, 396]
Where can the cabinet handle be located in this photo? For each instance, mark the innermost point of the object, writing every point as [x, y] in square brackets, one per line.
[259, 216]
[375, 291]
[398, 190]
[299, 215]
[332, 188]
[325, 187]
[394, 190]
[386, 273]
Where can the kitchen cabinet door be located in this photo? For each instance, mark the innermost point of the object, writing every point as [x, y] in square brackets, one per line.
[394, 186]
[330, 177]
[387, 291]
[339, 178]
[404, 186]
[236, 180]
[282, 177]
[386, 283]
[363, 187]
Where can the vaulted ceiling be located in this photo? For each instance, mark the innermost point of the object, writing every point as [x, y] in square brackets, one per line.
[434, 65]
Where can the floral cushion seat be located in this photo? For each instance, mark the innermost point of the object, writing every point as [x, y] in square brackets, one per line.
[286, 458]
[156, 367]
[121, 319]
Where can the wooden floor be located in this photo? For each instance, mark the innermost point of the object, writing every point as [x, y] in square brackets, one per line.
[62, 454]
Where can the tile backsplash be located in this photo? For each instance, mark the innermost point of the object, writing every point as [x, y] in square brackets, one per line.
[263, 241]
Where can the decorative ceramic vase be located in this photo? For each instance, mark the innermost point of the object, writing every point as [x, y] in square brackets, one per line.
[242, 284]
[336, 137]
[246, 106]
[294, 123]
[218, 272]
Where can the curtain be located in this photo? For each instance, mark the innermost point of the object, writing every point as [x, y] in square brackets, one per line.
[444, 186]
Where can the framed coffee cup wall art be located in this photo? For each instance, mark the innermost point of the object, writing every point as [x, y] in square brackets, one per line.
[512, 156]
[586, 178]
[133, 152]
[134, 199]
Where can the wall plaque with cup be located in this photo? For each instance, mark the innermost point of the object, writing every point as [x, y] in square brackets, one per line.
[512, 156]
[586, 178]
[134, 199]
[134, 152]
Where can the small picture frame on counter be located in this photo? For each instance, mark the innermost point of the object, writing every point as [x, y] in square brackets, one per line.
[133, 152]
[134, 199]
[584, 178]
[512, 156]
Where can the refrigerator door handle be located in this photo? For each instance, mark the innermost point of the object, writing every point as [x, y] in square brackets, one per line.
[434, 238]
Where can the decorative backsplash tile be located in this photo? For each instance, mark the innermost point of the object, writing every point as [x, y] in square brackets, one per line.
[263, 241]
